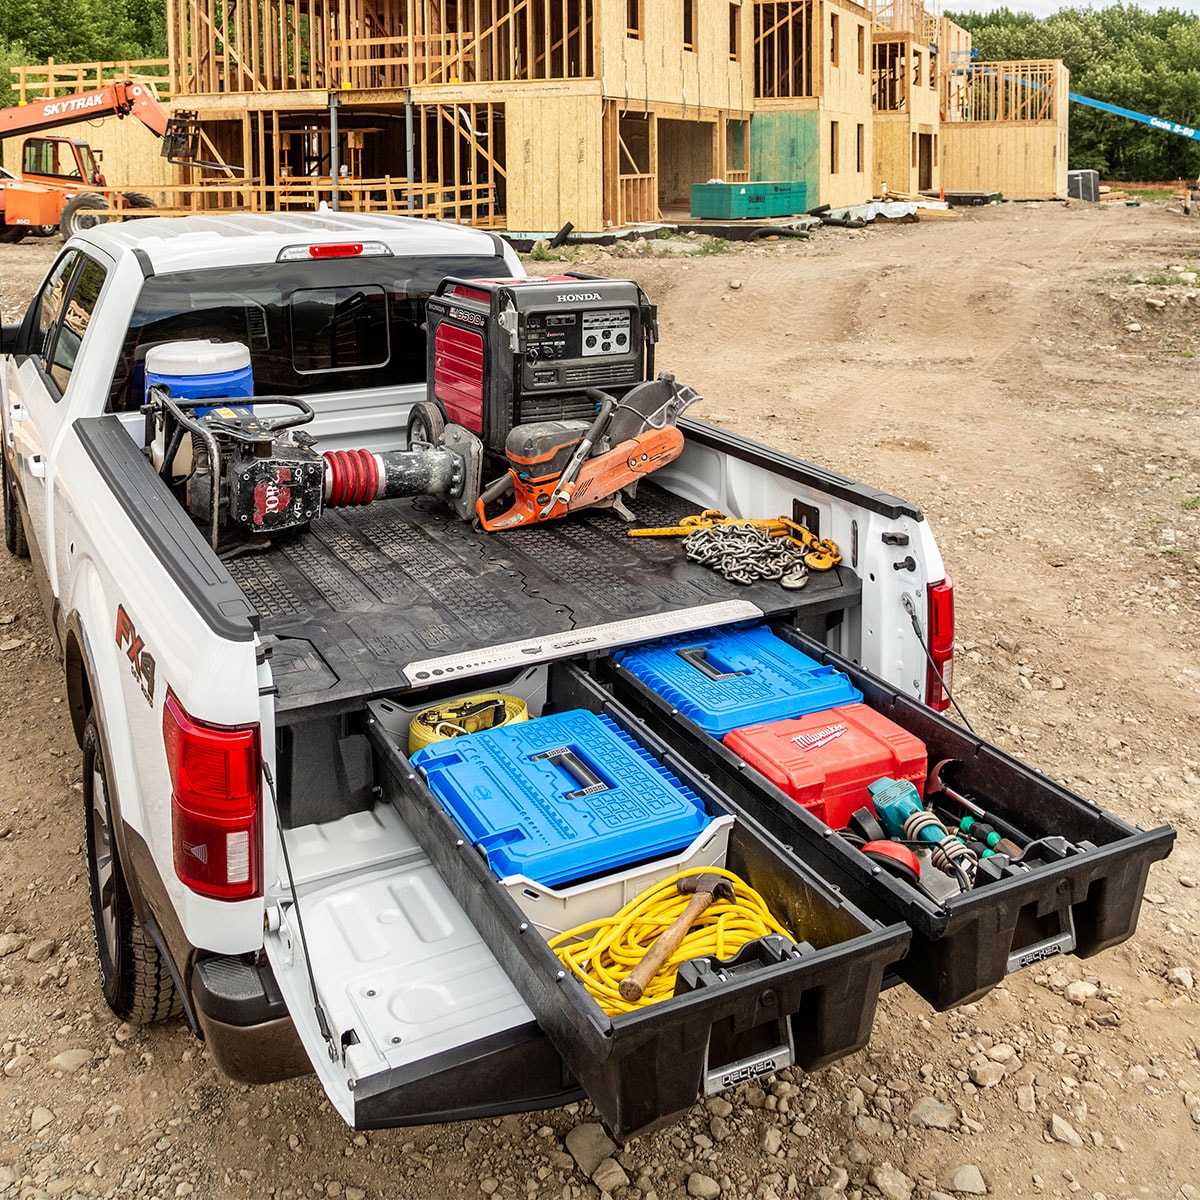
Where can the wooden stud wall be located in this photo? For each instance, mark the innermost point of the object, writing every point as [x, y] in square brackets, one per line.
[297, 45]
[39, 81]
[1008, 91]
[787, 44]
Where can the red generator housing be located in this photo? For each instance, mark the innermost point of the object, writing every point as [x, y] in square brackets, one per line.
[825, 760]
[507, 352]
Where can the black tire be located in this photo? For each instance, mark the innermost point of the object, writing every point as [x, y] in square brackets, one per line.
[426, 423]
[133, 974]
[138, 200]
[79, 213]
[13, 233]
[44, 231]
[14, 531]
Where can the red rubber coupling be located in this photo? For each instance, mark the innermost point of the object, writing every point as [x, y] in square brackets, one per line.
[900, 860]
[353, 478]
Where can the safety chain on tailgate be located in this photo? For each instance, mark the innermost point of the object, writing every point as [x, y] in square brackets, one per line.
[745, 553]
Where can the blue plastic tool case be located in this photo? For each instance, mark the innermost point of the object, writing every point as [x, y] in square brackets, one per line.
[726, 679]
[561, 798]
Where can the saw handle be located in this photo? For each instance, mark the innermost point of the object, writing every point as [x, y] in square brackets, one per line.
[565, 486]
[497, 488]
[636, 982]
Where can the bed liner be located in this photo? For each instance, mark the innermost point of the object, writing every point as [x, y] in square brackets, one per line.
[369, 600]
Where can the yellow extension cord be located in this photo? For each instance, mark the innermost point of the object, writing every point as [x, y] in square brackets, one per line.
[611, 947]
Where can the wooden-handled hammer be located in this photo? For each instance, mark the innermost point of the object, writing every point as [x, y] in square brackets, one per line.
[703, 889]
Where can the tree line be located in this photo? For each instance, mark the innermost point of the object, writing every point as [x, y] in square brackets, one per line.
[78, 31]
[1124, 55]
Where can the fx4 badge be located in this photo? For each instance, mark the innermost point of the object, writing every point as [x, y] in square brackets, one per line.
[141, 661]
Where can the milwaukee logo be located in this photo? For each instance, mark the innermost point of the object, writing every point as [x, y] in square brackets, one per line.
[79, 104]
[819, 737]
[567, 297]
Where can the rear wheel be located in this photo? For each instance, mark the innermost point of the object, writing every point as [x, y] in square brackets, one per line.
[138, 200]
[14, 531]
[133, 974]
[79, 213]
[425, 424]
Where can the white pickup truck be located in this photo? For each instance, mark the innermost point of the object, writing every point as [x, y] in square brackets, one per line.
[236, 703]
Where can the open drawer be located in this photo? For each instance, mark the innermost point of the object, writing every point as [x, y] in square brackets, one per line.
[963, 944]
[642, 1068]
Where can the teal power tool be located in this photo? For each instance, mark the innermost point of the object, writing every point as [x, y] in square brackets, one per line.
[902, 815]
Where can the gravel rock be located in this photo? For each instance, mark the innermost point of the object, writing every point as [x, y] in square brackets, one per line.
[1026, 1098]
[890, 1183]
[39, 1119]
[965, 1181]
[770, 1139]
[929, 1113]
[987, 1074]
[69, 1061]
[40, 950]
[10, 943]
[703, 1187]
[609, 1176]
[1064, 1131]
[1181, 977]
[1080, 992]
[589, 1146]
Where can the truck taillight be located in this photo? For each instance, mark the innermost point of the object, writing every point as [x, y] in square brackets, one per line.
[216, 804]
[940, 627]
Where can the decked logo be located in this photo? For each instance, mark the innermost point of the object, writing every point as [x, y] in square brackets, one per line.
[141, 661]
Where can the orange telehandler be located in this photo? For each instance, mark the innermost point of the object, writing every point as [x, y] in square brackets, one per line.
[60, 183]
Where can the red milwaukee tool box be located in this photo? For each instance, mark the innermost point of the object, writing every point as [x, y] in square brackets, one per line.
[826, 759]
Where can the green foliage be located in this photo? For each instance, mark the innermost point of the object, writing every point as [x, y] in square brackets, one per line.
[73, 31]
[1124, 55]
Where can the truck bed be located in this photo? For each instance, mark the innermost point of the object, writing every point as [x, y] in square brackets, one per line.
[402, 594]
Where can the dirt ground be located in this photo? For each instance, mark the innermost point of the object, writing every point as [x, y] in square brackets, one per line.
[1008, 373]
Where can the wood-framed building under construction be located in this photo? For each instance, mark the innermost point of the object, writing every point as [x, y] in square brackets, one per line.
[1006, 128]
[529, 113]
[526, 114]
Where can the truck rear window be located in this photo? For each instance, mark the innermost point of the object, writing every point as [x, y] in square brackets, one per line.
[324, 326]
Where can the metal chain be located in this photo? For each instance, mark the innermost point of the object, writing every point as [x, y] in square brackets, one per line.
[745, 554]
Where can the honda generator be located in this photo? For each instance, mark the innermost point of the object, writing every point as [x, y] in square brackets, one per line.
[508, 352]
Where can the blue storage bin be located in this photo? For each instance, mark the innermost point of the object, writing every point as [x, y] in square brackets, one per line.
[726, 679]
[561, 798]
